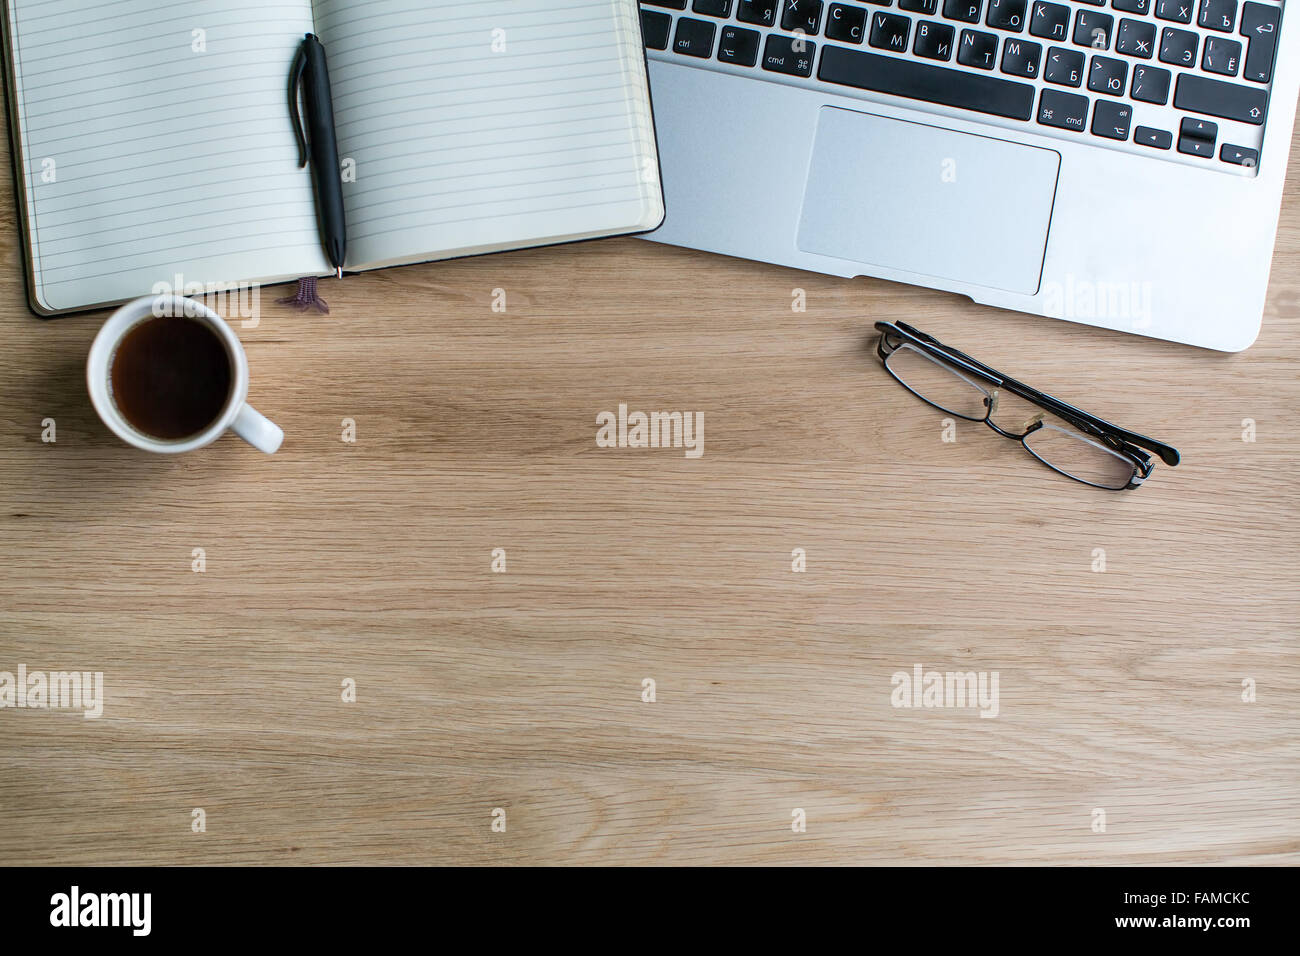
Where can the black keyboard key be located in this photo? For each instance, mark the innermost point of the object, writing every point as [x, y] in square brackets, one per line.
[670, 4]
[933, 40]
[845, 23]
[1179, 11]
[757, 11]
[977, 48]
[655, 27]
[739, 46]
[694, 37]
[1222, 56]
[1107, 75]
[1259, 24]
[802, 15]
[1132, 6]
[1232, 101]
[1218, 15]
[1136, 38]
[967, 11]
[1196, 137]
[1093, 29]
[1063, 110]
[1007, 14]
[1155, 138]
[1111, 120]
[1178, 47]
[1239, 155]
[1050, 21]
[792, 56]
[712, 8]
[1150, 84]
[889, 31]
[1064, 67]
[933, 84]
[928, 7]
[1021, 57]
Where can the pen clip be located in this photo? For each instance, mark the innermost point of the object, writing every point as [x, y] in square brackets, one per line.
[295, 86]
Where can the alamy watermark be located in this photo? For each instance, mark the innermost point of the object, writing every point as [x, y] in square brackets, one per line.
[922, 688]
[55, 690]
[232, 300]
[1085, 299]
[654, 430]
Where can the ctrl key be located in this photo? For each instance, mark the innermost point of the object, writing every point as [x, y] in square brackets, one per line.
[1063, 110]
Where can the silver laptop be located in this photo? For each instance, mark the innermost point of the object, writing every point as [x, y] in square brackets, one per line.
[1118, 163]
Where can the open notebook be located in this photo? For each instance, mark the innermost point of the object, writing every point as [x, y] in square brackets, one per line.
[152, 138]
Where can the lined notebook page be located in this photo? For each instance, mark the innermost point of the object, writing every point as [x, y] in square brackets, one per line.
[145, 157]
[486, 125]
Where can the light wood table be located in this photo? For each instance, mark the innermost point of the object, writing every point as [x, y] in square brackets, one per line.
[371, 561]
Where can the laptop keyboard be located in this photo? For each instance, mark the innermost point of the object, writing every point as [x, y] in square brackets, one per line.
[1186, 80]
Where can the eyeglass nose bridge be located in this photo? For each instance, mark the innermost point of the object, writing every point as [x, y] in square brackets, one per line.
[1031, 424]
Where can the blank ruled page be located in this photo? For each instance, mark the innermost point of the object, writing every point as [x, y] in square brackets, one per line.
[487, 125]
[156, 142]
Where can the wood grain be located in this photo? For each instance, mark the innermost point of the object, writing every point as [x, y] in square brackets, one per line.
[1119, 690]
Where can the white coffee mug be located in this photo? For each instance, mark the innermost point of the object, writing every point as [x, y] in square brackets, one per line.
[236, 415]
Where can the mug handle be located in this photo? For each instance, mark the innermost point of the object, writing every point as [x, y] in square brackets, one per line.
[258, 430]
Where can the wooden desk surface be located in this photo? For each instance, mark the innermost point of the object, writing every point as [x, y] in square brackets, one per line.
[1119, 691]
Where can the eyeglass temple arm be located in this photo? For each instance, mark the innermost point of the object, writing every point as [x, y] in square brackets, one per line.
[1168, 454]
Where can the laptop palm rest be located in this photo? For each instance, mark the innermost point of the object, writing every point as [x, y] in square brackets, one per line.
[928, 201]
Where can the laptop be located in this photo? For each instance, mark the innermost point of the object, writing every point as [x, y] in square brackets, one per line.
[1118, 163]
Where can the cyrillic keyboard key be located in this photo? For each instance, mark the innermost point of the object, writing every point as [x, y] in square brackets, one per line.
[889, 31]
[932, 84]
[805, 15]
[1218, 15]
[1063, 110]
[967, 11]
[845, 23]
[1021, 57]
[933, 40]
[1064, 67]
[758, 11]
[977, 48]
[1222, 56]
[1200, 94]
[1007, 15]
[1178, 47]
[1050, 21]
[1179, 11]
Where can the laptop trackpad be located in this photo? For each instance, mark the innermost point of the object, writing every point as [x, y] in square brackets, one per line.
[900, 195]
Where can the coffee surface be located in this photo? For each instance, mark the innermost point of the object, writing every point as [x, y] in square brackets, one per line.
[171, 377]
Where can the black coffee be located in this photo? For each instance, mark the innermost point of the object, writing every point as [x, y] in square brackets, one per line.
[171, 377]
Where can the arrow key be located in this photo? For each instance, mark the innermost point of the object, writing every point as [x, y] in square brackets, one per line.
[1156, 138]
[1196, 137]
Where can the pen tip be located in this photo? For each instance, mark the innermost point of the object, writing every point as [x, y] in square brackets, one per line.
[340, 272]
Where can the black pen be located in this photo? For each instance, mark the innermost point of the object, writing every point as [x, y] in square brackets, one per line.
[309, 65]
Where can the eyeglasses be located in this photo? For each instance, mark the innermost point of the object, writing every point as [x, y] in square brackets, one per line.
[1064, 438]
